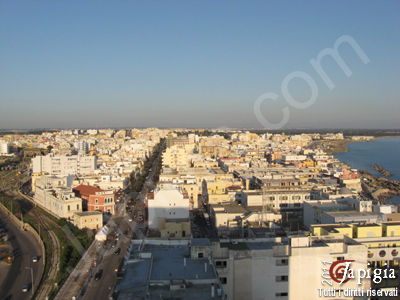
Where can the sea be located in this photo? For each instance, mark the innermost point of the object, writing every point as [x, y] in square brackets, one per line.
[383, 151]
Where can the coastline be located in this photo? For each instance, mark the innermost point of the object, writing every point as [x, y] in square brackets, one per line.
[337, 146]
[379, 188]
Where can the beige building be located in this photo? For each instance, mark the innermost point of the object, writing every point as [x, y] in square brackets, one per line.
[217, 191]
[54, 194]
[175, 157]
[233, 219]
[88, 219]
[174, 228]
[285, 195]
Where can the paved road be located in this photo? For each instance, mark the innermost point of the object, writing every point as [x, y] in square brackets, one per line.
[27, 204]
[108, 261]
[103, 288]
[25, 247]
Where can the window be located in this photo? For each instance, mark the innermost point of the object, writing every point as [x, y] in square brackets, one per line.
[284, 294]
[283, 197]
[220, 264]
[297, 205]
[77, 207]
[97, 201]
[296, 197]
[223, 280]
[69, 208]
[281, 278]
[200, 255]
[340, 258]
[282, 262]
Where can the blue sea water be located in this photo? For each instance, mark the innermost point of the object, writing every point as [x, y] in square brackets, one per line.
[363, 155]
[384, 151]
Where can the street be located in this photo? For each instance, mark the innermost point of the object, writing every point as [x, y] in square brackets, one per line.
[19, 274]
[124, 227]
[103, 287]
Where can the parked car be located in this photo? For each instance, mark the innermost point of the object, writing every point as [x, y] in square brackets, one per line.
[98, 275]
[35, 259]
[25, 288]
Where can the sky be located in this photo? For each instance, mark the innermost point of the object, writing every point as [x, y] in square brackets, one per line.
[96, 64]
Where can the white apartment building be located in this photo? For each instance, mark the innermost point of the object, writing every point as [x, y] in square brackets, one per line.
[64, 165]
[168, 203]
[4, 148]
[285, 195]
[293, 158]
[280, 268]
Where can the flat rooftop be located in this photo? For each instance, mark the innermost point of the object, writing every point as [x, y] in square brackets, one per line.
[167, 271]
[89, 213]
[168, 264]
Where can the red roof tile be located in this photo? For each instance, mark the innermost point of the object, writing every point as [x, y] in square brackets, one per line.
[86, 190]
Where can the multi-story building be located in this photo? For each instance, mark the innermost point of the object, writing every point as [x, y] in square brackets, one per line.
[217, 190]
[54, 194]
[64, 165]
[167, 210]
[96, 199]
[347, 210]
[175, 157]
[236, 220]
[278, 268]
[285, 195]
[4, 148]
[382, 240]
[88, 219]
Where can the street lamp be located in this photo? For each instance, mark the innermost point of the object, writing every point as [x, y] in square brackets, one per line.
[31, 277]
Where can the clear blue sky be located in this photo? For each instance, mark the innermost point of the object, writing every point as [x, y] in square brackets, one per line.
[193, 63]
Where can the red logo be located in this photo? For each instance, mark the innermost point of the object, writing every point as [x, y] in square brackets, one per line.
[339, 271]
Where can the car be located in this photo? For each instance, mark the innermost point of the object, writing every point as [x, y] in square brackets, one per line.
[118, 251]
[25, 288]
[98, 275]
[35, 259]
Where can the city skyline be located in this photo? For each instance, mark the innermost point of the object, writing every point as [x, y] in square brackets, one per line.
[130, 64]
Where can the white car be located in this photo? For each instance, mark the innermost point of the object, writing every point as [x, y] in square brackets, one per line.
[25, 288]
[35, 259]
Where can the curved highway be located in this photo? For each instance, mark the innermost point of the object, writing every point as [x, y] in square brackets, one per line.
[25, 246]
